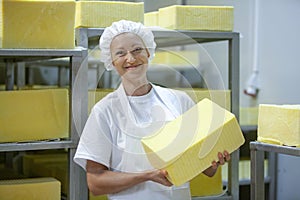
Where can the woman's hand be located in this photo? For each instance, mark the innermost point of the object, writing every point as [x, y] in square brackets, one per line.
[223, 158]
[159, 176]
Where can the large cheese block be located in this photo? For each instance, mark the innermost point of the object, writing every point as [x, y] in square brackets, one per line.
[96, 14]
[151, 18]
[34, 115]
[203, 185]
[30, 189]
[37, 24]
[186, 146]
[279, 124]
[183, 17]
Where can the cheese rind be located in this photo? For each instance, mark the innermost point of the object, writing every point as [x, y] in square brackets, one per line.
[186, 146]
[34, 115]
[183, 17]
[279, 124]
[30, 189]
[37, 24]
[96, 14]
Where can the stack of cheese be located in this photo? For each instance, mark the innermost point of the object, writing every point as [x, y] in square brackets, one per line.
[183, 17]
[30, 189]
[279, 124]
[186, 146]
[37, 24]
[96, 14]
[34, 115]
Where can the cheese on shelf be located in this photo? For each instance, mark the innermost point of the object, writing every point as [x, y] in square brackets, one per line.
[48, 165]
[176, 58]
[97, 14]
[151, 18]
[30, 189]
[279, 124]
[249, 116]
[203, 185]
[37, 24]
[96, 95]
[186, 146]
[183, 17]
[34, 115]
[220, 97]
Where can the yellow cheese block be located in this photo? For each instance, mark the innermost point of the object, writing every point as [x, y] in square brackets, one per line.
[34, 115]
[279, 124]
[183, 17]
[151, 19]
[203, 185]
[101, 197]
[249, 116]
[47, 165]
[30, 160]
[186, 146]
[37, 24]
[30, 189]
[176, 58]
[220, 97]
[96, 95]
[96, 14]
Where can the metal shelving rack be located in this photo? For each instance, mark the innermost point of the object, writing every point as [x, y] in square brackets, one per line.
[78, 102]
[89, 37]
[257, 151]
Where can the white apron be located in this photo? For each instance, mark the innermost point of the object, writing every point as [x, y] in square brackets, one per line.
[133, 157]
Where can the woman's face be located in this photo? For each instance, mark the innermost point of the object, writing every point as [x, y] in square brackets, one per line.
[129, 56]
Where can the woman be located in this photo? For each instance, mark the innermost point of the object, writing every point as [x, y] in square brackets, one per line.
[110, 149]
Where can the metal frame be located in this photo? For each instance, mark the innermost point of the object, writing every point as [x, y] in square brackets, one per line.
[89, 37]
[257, 151]
[78, 102]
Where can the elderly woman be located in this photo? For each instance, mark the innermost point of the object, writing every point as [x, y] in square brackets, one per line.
[110, 149]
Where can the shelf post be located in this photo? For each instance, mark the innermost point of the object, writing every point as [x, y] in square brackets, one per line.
[79, 111]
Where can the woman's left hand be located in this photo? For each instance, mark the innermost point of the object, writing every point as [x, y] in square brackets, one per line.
[223, 158]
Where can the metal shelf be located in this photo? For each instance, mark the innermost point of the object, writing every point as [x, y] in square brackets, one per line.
[89, 38]
[36, 145]
[257, 150]
[19, 55]
[78, 106]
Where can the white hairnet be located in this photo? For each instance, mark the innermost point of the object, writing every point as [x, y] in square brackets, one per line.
[124, 26]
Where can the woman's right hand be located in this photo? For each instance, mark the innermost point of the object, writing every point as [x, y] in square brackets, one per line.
[159, 176]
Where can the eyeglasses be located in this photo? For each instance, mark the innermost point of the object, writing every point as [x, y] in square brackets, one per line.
[122, 53]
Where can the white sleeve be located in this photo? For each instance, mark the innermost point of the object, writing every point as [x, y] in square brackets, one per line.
[95, 142]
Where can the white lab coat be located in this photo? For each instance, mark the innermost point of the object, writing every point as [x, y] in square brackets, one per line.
[112, 136]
